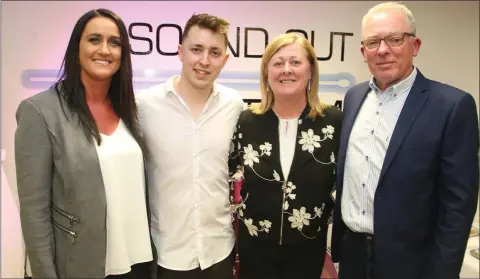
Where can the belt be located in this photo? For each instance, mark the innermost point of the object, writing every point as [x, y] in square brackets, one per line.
[367, 236]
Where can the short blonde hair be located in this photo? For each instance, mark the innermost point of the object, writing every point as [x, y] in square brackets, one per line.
[393, 6]
[316, 107]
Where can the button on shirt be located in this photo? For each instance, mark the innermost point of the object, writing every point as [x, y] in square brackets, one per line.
[366, 150]
[188, 175]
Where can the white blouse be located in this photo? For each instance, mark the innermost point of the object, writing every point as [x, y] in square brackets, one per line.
[287, 132]
[128, 239]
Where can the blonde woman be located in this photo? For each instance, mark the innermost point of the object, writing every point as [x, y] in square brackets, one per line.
[286, 149]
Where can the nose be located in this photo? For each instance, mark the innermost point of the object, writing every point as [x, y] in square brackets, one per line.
[104, 48]
[204, 61]
[286, 70]
[383, 48]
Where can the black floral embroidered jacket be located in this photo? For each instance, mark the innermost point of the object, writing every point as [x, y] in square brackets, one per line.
[274, 209]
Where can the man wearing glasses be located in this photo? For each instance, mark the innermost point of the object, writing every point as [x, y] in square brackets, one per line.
[408, 171]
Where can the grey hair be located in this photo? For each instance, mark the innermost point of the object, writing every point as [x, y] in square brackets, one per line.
[393, 6]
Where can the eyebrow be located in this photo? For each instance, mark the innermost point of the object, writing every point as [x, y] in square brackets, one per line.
[378, 36]
[201, 46]
[286, 57]
[98, 35]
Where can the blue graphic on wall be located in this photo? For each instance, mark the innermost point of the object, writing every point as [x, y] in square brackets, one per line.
[242, 81]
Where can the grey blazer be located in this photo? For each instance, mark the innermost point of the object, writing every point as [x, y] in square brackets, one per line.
[61, 191]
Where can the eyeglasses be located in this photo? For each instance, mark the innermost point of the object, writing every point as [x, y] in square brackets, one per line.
[393, 40]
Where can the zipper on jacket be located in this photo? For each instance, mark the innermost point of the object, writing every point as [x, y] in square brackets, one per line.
[72, 218]
[71, 233]
[284, 188]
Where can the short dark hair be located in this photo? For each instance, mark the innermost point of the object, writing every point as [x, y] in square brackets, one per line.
[71, 89]
[210, 22]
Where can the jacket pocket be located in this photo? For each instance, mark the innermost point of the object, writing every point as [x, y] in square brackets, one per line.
[71, 234]
[72, 219]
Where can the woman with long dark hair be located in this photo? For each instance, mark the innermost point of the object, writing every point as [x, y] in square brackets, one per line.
[79, 158]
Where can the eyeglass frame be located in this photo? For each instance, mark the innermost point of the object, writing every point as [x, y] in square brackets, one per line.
[383, 39]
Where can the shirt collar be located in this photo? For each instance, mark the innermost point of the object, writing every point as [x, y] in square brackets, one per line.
[170, 87]
[398, 88]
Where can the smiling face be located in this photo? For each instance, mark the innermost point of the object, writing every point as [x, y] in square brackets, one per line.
[203, 55]
[289, 71]
[389, 65]
[100, 50]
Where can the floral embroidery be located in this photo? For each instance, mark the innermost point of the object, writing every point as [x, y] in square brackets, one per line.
[252, 229]
[328, 131]
[299, 218]
[250, 156]
[309, 141]
[276, 176]
[265, 225]
[288, 190]
[332, 159]
[266, 148]
[232, 144]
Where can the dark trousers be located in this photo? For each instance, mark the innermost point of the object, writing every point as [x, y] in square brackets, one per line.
[140, 270]
[273, 261]
[356, 256]
[220, 270]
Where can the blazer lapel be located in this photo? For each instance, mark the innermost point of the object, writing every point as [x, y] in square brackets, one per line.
[89, 175]
[413, 105]
[87, 170]
[269, 127]
[300, 156]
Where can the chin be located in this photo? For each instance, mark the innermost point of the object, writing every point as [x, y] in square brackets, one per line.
[103, 77]
[202, 84]
[203, 81]
[387, 72]
[286, 94]
[383, 76]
